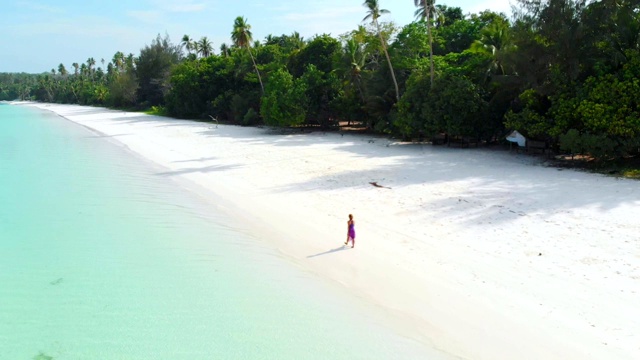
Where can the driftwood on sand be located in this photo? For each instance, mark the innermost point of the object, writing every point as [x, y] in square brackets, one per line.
[375, 183]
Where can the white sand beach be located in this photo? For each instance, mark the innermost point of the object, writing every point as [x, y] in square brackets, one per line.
[482, 254]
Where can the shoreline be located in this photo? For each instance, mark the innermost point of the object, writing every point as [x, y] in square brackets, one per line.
[480, 254]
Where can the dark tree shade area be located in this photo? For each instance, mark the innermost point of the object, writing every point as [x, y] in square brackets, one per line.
[560, 71]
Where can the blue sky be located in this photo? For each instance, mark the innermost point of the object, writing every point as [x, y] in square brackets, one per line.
[38, 35]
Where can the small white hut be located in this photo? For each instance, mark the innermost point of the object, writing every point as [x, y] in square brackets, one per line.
[516, 137]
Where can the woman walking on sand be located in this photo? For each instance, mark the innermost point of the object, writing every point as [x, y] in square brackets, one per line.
[351, 231]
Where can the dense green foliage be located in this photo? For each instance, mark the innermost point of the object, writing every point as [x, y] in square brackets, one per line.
[284, 101]
[561, 71]
[153, 68]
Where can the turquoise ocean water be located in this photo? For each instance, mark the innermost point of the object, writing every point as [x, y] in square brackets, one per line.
[104, 257]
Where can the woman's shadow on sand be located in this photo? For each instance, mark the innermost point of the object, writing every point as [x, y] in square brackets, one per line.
[341, 248]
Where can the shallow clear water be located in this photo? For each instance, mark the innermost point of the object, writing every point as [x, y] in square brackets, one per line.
[102, 257]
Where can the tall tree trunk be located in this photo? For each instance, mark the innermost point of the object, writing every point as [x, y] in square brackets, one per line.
[359, 86]
[386, 53]
[256, 67]
[427, 10]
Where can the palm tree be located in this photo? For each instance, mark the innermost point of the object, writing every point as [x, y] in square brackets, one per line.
[130, 62]
[374, 13]
[270, 40]
[242, 37]
[110, 70]
[195, 46]
[494, 41]
[297, 41]
[118, 60]
[426, 11]
[90, 64]
[187, 43]
[355, 55]
[205, 47]
[224, 50]
[62, 70]
[46, 82]
[83, 69]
